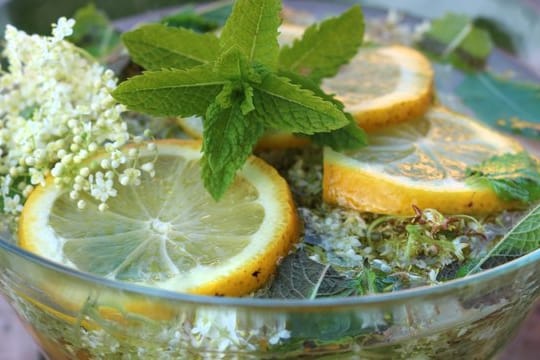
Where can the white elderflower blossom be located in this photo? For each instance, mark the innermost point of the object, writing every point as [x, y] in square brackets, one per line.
[63, 28]
[57, 112]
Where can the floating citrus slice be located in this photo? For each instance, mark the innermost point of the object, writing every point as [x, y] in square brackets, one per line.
[420, 162]
[384, 85]
[380, 85]
[168, 232]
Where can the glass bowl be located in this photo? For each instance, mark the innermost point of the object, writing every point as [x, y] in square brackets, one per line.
[76, 315]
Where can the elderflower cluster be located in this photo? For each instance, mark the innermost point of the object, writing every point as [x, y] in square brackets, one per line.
[56, 112]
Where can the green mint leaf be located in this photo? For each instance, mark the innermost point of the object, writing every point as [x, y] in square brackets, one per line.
[228, 139]
[511, 176]
[349, 137]
[156, 47]
[286, 106]
[207, 19]
[521, 240]
[299, 277]
[232, 64]
[325, 47]
[94, 32]
[500, 35]
[171, 92]
[189, 19]
[253, 27]
[507, 105]
[456, 39]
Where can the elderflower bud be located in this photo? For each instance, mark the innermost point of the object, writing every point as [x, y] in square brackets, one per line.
[81, 204]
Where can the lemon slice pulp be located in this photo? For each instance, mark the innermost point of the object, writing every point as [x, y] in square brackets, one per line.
[422, 163]
[168, 232]
[384, 85]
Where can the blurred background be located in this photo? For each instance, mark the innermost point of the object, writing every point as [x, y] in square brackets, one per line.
[518, 18]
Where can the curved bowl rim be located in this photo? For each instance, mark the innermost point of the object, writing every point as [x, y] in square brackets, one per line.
[277, 304]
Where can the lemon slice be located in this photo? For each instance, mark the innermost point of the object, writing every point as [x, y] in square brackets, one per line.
[384, 85]
[168, 232]
[380, 85]
[420, 162]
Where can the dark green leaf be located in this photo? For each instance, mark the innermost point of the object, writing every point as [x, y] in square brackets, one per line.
[208, 19]
[188, 18]
[504, 104]
[253, 27]
[228, 139]
[499, 34]
[511, 176]
[156, 47]
[94, 32]
[456, 39]
[325, 47]
[171, 92]
[288, 107]
[521, 240]
[299, 277]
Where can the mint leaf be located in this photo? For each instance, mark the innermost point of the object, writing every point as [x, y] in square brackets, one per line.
[325, 47]
[229, 136]
[253, 27]
[286, 106]
[232, 64]
[94, 32]
[456, 39]
[507, 105]
[171, 92]
[349, 137]
[511, 176]
[210, 18]
[299, 277]
[156, 46]
[499, 33]
[521, 240]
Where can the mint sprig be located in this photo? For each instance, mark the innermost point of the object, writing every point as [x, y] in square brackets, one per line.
[325, 47]
[242, 85]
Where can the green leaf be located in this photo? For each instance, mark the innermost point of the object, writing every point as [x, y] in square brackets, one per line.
[210, 18]
[288, 107]
[171, 92]
[94, 32]
[349, 137]
[299, 277]
[499, 33]
[507, 105]
[456, 39]
[228, 139]
[156, 47]
[253, 27]
[232, 64]
[521, 240]
[511, 176]
[325, 47]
